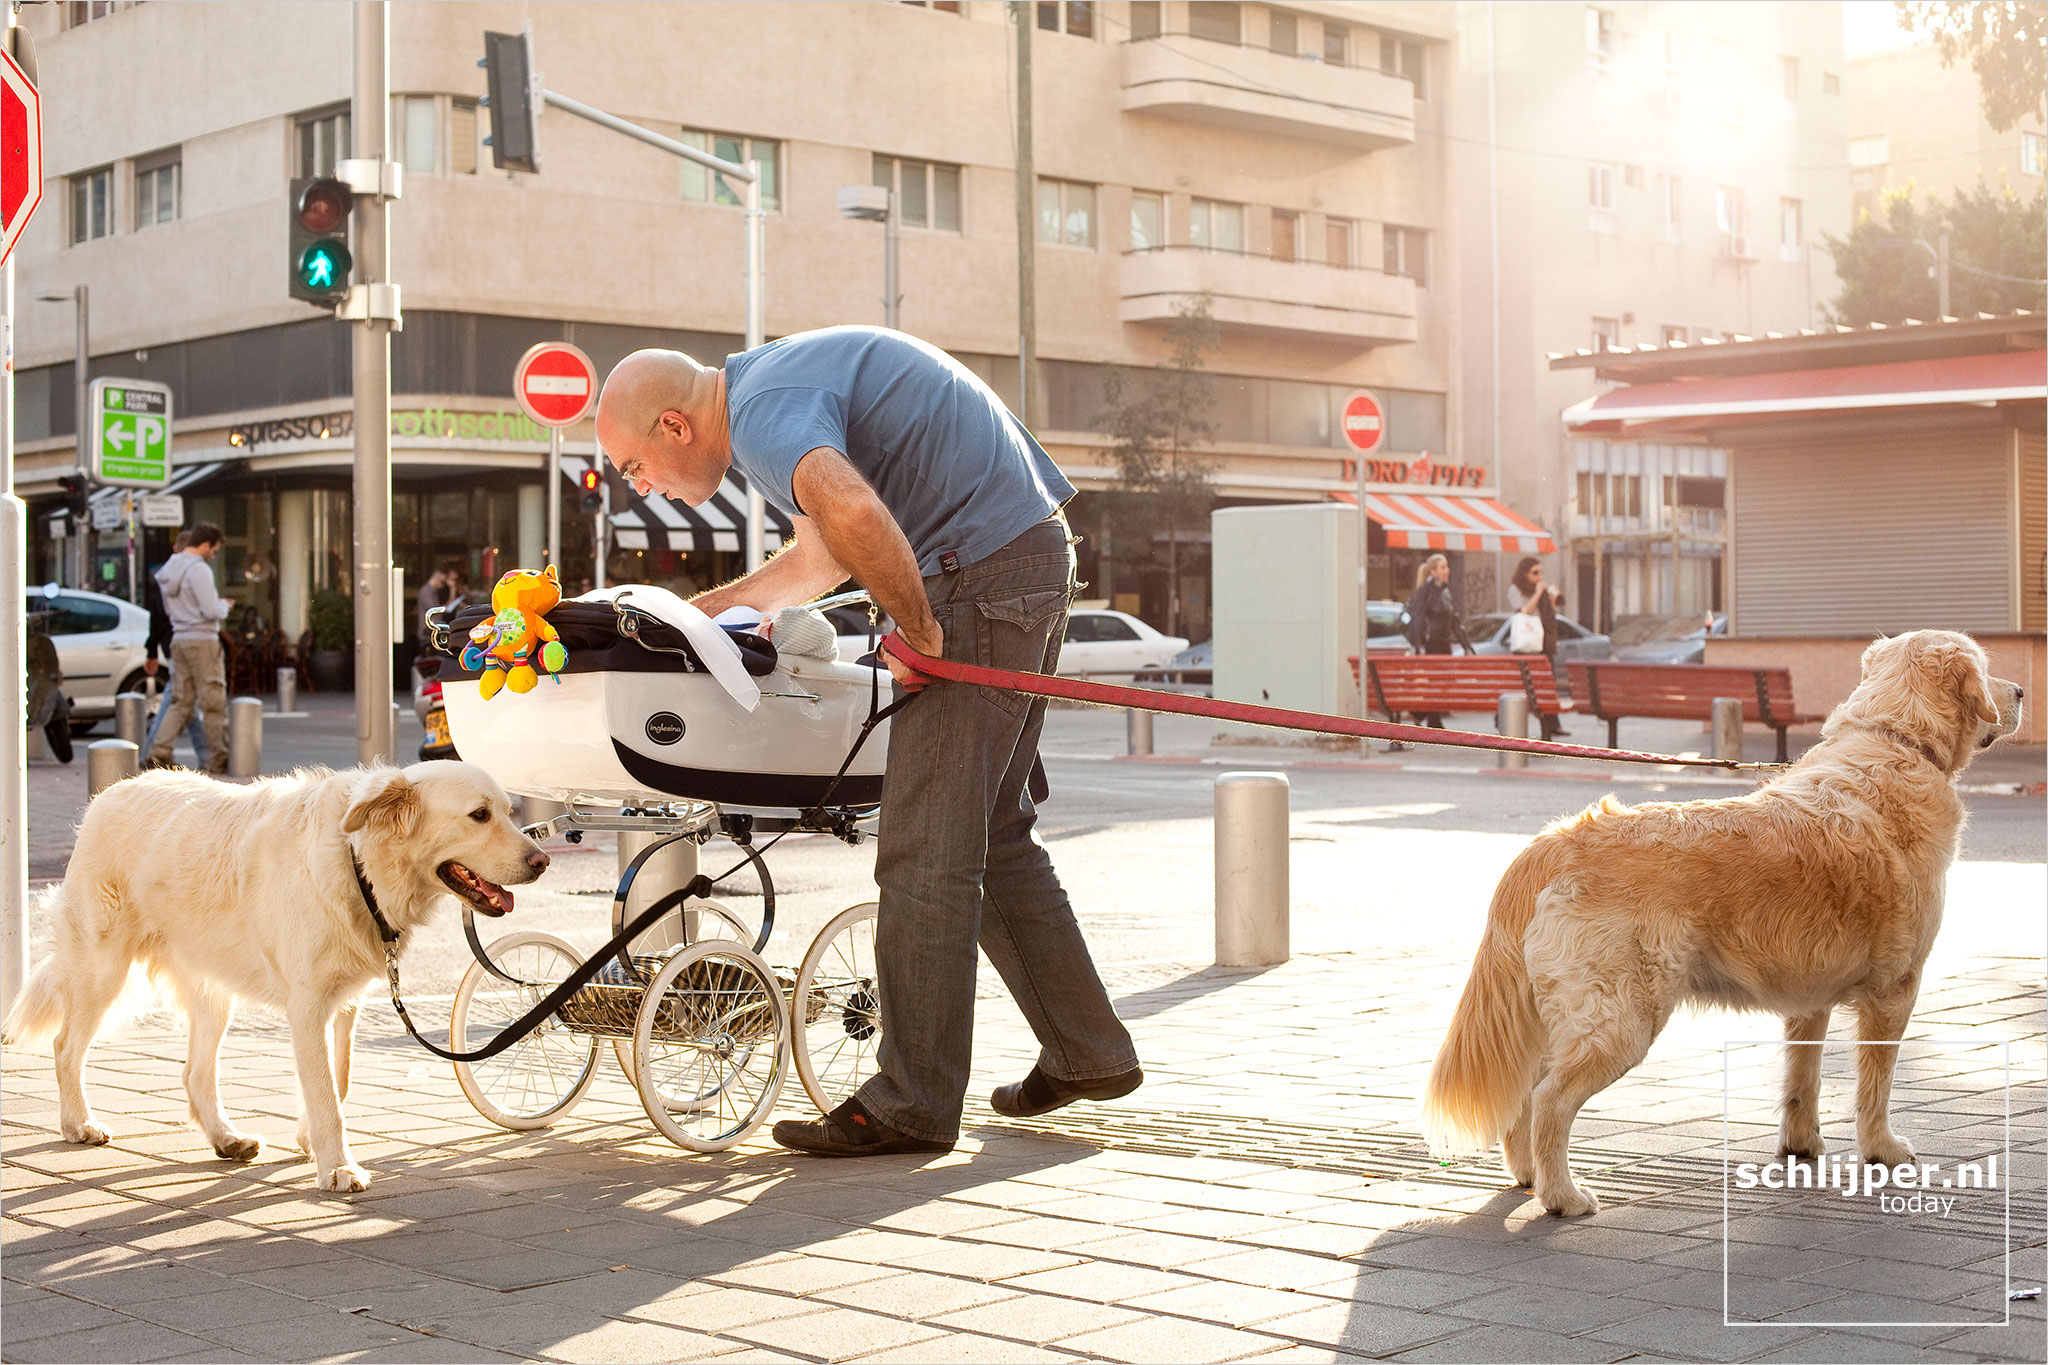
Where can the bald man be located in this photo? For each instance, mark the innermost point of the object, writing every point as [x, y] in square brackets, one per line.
[901, 469]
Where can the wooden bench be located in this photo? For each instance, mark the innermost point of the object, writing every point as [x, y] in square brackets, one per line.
[1610, 691]
[1432, 683]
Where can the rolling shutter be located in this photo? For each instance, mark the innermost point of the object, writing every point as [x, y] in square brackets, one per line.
[1876, 536]
[2033, 521]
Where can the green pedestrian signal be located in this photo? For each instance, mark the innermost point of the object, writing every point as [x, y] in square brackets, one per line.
[320, 260]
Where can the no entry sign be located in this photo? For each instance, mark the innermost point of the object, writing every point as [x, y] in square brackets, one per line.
[556, 384]
[1364, 422]
[21, 152]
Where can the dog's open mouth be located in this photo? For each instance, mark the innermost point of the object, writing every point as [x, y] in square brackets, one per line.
[486, 896]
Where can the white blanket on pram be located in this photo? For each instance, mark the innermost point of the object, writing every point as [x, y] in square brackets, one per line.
[716, 648]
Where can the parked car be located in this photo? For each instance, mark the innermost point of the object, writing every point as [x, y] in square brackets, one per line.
[1114, 645]
[1488, 633]
[100, 645]
[1192, 670]
[1667, 639]
[432, 709]
[1386, 625]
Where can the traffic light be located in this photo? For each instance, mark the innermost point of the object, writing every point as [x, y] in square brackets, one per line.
[320, 261]
[514, 100]
[593, 490]
[77, 496]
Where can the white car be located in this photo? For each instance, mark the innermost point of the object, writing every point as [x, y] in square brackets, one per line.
[1113, 645]
[100, 644]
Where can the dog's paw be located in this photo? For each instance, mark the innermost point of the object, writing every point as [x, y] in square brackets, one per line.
[346, 1180]
[239, 1147]
[1802, 1148]
[304, 1139]
[1572, 1201]
[1889, 1150]
[88, 1134]
[1523, 1177]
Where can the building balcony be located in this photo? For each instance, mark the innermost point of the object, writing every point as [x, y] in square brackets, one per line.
[1179, 76]
[1330, 303]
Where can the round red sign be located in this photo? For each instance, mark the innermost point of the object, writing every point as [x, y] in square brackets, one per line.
[1364, 423]
[555, 383]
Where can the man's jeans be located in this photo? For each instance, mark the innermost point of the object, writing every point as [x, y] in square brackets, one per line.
[960, 863]
[195, 731]
[198, 683]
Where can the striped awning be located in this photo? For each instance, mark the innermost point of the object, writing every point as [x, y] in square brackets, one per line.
[658, 523]
[1450, 521]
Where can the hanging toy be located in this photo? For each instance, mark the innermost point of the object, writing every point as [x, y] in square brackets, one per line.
[503, 648]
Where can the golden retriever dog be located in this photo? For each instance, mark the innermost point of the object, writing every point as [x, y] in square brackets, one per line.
[248, 893]
[1822, 888]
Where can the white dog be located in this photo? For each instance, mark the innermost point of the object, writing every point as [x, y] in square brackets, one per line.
[1822, 888]
[249, 893]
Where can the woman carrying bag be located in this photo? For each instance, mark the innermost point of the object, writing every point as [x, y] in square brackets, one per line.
[1532, 629]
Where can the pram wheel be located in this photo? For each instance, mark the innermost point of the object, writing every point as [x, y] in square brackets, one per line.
[541, 1077]
[836, 1028]
[707, 1046]
[715, 921]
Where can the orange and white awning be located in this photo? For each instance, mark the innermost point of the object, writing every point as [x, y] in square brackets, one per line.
[1450, 521]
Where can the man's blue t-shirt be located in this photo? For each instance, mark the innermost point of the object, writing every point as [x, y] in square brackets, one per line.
[956, 470]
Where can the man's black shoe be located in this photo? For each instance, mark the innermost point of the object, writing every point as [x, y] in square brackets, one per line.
[1039, 1093]
[850, 1130]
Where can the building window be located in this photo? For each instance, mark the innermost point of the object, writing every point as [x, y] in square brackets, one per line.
[157, 188]
[927, 192]
[701, 186]
[1731, 210]
[1632, 177]
[1145, 18]
[2033, 151]
[1874, 149]
[1791, 237]
[1216, 226]
[462, 144]
[1674, 336]
[1788, 78]
[1339, 237]
[1606, 334]
[1600, 187]
[1148, 220]
[1286, 235]
[1336, 44]
[1405, 251]
[419, 133]
[1216, 20]
[85, 11]
[1075, 17]
[1283, 35]
[1671, 207]
[1830, 83]
[1403, 57]
[943, 6]
[323, 140]
[92, 205]
[1599, 37]
[1066, 213]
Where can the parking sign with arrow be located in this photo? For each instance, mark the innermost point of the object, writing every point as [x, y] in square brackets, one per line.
[131, 433]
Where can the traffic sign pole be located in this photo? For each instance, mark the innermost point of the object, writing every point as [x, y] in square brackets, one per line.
[13, 561]
[555, 498]
[1364, 426]
[556, 384]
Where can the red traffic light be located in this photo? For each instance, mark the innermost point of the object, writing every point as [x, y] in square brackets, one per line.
[592, 480]
[324, 205]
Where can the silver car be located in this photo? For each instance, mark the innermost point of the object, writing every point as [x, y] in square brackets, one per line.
[1488, 633]
[100, 643]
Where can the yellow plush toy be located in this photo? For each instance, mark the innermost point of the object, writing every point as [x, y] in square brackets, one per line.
[505, 646]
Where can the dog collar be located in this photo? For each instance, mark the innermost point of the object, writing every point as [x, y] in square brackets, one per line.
[1925, 751]
[384, 929]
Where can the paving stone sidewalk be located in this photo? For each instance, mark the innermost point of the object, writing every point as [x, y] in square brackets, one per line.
[1263, 1197]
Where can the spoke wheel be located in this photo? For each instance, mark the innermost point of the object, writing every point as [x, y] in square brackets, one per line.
[715, 921]
[541, 1077]
[707, 1047]
[836, 1021]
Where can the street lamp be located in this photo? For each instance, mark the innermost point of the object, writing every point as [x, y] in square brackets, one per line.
[874, 204]
[81, 296]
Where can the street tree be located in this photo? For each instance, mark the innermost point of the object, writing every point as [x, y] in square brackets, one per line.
[2006, 42]
[1158, 421]
[1997, 242]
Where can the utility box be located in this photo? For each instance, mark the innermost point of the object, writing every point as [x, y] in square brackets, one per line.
[1286, 593]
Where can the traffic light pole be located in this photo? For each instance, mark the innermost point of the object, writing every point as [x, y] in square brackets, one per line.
[372, 372]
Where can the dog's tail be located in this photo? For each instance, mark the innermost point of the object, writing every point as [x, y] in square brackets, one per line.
[1488, 1060]
[40, 1009]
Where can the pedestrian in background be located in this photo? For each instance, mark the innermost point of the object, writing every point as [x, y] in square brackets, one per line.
[432, 596]
[198, 666]
[1541, 600]
[158, 647]
[1433, 624]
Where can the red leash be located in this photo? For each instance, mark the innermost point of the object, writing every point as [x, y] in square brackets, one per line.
[1146, 699]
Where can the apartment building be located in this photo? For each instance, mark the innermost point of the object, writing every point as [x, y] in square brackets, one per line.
[1629, 174]
[1913, 121]
[1290, 163]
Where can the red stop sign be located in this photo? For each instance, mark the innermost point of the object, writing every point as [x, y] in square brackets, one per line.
[21, 152]
[555, 383]
[1364, 422]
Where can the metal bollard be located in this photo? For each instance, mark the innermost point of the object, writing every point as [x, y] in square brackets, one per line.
[1728, 728]
[245, 737]
[668, 870]
[1137, 732]
[1511, 717]
[130, 710]
[287, 690]
[107, 761]
[1251, 869]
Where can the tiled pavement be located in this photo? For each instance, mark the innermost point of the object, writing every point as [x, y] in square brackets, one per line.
[1168, 1227]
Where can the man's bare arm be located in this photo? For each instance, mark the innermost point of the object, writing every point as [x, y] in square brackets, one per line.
[859, 533]
[803, 569]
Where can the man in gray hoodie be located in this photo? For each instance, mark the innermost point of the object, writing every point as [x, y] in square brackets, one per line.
[198, 669]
